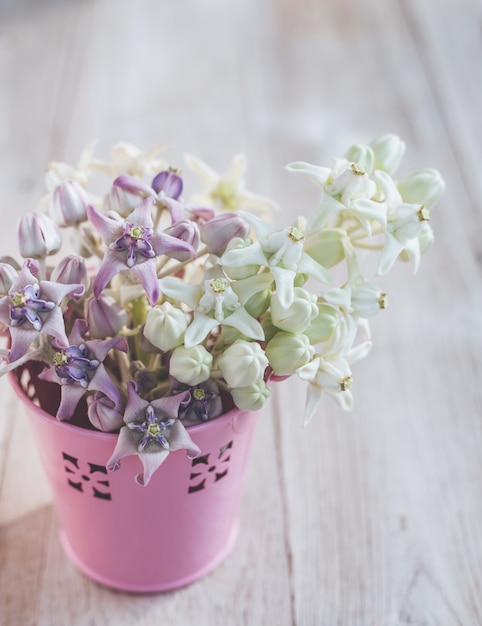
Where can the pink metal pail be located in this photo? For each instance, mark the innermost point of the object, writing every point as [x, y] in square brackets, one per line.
[143, 539]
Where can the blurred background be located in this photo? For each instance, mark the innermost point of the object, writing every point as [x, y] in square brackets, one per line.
[372, 517]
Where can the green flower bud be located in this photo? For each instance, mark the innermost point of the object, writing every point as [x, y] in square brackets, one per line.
[297, 317]
[251, 398]
[323, 324]
[259, 303]
[422, 187]
[288, 352]
[388, 150]
[243, 271]
[191, 365]
[165, 327]
[243, 363]
[326, 247]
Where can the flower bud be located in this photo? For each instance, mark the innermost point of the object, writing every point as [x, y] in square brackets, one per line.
[251, 398]
[38, 236]
[243, 271]
[68, 204]
[168, 184]
[191, 365]
[71, 270]
[243, 363]
[297, 317]
[326, 246]
[218, 232]
[121, 201]
[389, 150]
[288, 352]
[258, 303]
[362, 156]
[125, 194]
[323, 324]
[165, 326]
[422, 187]
[185, 230]
[103, 413]
[104, 316]
[8, 275]
[144, 378]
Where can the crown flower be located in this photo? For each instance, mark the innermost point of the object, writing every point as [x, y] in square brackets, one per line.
[180, 305]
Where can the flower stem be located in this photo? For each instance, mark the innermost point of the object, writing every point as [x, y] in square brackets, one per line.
[179, 266]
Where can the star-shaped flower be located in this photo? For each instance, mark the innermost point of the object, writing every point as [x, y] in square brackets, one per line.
[133, 245]
[405, 223]
[282, 252]
[128, 158]
[227, 192]
[152, 431]
[78, 368]
[204, 401]
[346, 187]
[218, 302]
[330, 372]
[33, 307]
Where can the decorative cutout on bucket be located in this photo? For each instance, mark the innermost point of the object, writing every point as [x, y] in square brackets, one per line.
[85, 481]
[205, 471]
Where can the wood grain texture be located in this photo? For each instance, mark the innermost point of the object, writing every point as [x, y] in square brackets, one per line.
[368, 518]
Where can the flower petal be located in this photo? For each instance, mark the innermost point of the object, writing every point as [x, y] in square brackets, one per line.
[145, 271]
[180, 440]
[183, 292]
[315, 173]
[70, 396]
[111, 265]
[170, 405]
[247, 325]
[126, 445]
[151, 462]
[109, 228]
[133, 185]
[135, 404]
[285, 289]
[199, 329]
[21, 341]
[101, 381]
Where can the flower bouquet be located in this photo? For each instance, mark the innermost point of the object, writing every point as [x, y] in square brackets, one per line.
[173, 311]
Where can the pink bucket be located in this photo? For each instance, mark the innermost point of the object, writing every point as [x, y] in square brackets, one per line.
[142, 539]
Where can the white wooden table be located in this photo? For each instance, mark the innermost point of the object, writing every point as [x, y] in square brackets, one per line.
[372, 517]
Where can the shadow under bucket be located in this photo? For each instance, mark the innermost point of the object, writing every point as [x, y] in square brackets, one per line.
[141, 539]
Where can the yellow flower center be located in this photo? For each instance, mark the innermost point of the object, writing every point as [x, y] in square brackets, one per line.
[60, 358]
[296, 234]
[153, 429]
[346, 383]
[357, 169]
[198, 394]
[18, 299]
[383, 301]
[423, 214]
[136, 232]
[225, 194]
[218, 285]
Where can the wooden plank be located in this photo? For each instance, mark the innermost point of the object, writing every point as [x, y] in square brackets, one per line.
[371, 517]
